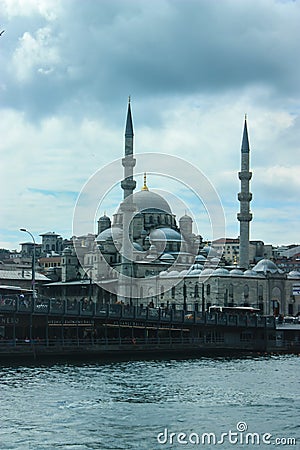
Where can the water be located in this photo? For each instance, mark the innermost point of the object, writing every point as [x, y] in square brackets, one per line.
[125, 405]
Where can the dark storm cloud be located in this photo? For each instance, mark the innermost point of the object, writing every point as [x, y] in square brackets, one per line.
[108, 49]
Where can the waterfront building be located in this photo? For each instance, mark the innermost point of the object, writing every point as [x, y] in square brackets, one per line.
[160, 244]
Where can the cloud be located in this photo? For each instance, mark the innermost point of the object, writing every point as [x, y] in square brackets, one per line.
[193, 69]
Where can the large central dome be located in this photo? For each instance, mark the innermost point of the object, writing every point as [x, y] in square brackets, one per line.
[147, 201]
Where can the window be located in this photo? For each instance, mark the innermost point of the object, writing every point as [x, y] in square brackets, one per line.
[208, 289]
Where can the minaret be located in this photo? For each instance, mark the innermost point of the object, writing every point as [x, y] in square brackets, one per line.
[127, 208]
[244, 197]
[128, 162]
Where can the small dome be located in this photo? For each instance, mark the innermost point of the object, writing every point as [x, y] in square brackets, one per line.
[167, 257]
[221, 271]
[215, 260]
[294, 274]
[236, 273]
[207, 271]
[197, 267]
[185, 218]
[200, 258]
[164, 273]
[210, 251]
[266, 266]
[183, 273]
[173, 273]
[143, 233]
[250, 273]
[194, 272]
[104, 218]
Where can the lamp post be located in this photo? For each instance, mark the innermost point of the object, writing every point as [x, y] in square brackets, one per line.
[33, 262]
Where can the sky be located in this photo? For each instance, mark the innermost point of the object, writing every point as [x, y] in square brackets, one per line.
[193, 68]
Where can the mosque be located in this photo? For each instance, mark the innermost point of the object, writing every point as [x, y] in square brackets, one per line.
[143, 255]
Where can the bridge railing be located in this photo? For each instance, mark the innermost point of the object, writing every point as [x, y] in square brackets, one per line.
[87, 308]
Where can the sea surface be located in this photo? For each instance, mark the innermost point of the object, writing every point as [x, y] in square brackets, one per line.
[147, 404]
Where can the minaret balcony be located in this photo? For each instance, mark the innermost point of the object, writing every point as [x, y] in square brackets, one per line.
[128, 161]
[128, 184]
[244, 196]
[245, 176]
[244, 217]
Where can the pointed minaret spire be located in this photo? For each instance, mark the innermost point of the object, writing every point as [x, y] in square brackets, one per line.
[129, 126]
[245, 140]
[245, 197]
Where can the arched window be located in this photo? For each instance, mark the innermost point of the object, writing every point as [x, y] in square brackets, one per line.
[162, 292]
[173, 292]
[196, 291]
[208, 289]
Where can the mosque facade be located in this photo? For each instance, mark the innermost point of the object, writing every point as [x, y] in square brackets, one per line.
[169, 264]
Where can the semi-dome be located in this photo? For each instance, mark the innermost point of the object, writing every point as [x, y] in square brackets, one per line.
[148, 201]
[266, 266]
[165, 234]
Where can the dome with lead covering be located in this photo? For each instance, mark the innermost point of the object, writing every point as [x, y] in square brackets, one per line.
[166, 257]
[250, 273]
[114, 233]
[294, 274]
[148, 201]
[207, 271]
[266, 266]
[236, 273]
[165, 234]
[221, 271]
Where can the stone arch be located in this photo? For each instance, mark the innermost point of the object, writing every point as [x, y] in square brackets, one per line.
[276, 296]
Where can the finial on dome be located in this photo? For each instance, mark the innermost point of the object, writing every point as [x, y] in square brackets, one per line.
[129, 98]
[145, 187]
